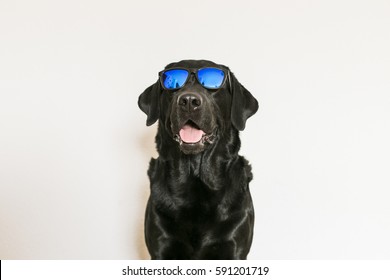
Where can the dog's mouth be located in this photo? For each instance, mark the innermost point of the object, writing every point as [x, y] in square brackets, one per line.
[192, 134]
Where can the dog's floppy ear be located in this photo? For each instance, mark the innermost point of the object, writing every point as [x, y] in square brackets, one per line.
[244, 105]
[148, 102]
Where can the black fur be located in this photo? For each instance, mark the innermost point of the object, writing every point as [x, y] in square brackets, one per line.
[200, 205]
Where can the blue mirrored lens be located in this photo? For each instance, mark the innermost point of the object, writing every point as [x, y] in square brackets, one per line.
[173, 79]
[211, 77]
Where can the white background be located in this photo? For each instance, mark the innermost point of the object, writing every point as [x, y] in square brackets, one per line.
[74, 148]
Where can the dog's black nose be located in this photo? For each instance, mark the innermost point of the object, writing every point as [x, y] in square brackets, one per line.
[189, 101]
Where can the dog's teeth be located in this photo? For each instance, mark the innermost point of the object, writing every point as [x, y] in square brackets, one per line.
[178, 139]
[209, 139]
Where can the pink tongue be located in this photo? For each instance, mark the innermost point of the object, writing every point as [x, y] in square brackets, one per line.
[190, 134]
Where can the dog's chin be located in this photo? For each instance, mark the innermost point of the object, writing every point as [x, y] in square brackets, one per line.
[192, 148]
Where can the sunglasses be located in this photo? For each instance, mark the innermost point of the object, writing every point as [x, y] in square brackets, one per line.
[209, 77]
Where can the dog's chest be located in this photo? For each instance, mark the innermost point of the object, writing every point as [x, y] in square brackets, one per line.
[182, 191]
[195, 196]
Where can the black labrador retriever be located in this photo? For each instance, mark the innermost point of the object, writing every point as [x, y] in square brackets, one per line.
[200, 206]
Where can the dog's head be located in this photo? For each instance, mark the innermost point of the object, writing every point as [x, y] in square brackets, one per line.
[196, 101]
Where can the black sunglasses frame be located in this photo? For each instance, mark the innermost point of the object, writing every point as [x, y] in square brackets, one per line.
[195, 72]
